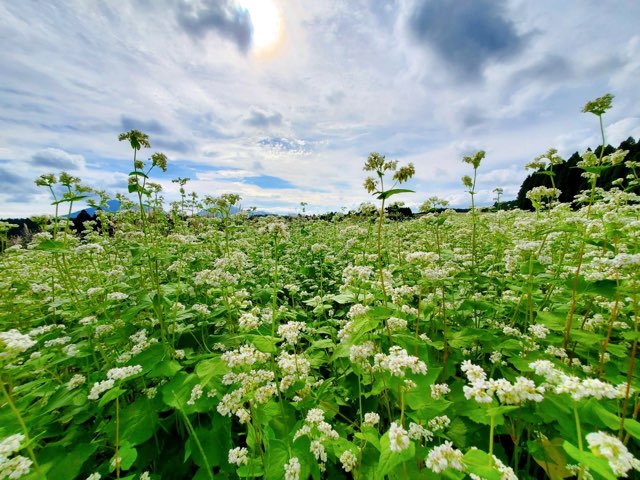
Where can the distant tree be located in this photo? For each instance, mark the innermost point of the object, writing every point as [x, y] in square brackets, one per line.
[569, 180]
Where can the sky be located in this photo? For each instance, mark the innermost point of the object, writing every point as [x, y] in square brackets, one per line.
[282, 101]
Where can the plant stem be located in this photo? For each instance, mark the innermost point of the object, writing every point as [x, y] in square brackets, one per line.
[579, 432]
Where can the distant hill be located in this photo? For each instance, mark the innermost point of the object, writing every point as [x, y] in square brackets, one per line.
[112, 207]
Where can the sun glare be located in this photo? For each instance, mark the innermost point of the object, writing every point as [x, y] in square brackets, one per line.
[266, 21]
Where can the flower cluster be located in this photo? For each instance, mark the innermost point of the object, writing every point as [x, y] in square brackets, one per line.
[445, 456]
[113, 376]
[559, 382]
[13, 466]
[348, 460]
[398, 438]
[398, 361]
[291, 331]
[14, 344]
[238, 456]
[482, 390]
[246, 355]
[619, 458]
[292, 469]
[253, 386]
[319, 431]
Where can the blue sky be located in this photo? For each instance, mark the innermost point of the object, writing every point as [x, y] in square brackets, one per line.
[282, 101]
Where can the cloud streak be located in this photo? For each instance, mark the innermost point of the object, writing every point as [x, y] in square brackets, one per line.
[418, 80]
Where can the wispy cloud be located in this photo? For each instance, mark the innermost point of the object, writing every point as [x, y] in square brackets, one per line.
[54, 158]
[424, 81]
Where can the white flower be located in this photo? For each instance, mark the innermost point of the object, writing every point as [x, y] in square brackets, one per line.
[291, 331]
[11, 444]
[439, 423]
[15, 467]
[179, 354]
[438, 390]
[506, 472]
[418, 432]
[620, 459]
[371, 419]
[314, 416]
[396, 324]
[318, 451]
[238, 456]
[473, 372]
[200, 308]
[94, 476]
[292, 469]
[445, 456]
[121, 373]
[71, 350]
[117, 296]
[360, 354]
[538, 331]
[348, 460]
[357, 310]
[398, 438]
[248, 321]
[99, 388]
[57, 341]
[246, 355]
[196, 393]
[398, 361]
[76, 381]
[15, 343]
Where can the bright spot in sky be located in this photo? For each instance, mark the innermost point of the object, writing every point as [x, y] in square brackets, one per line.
[266, 21]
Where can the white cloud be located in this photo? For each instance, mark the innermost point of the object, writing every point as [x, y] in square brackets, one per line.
[347, 79]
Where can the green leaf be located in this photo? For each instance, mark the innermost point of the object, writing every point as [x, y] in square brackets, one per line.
[370, 435]
[69, 464]
[177, 392]
[596, 169]
[416, 397]
[211, 368]
[252, 470]
[481, 463]
[266, 344]
[166, 368]
[343, 298]
[136, 173]
[138, 421]
[395, 191]
[214, 449]
[612, 421]
[110, 395]
[277, 457]
[362, 327]
[76, 198]
[128, 455]
[589, 460]
[52, 246]
[151, 357]
[553, 320]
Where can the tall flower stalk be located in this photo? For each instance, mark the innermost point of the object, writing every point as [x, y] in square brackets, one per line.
[380, 166]
[473, 160]
[138, 176]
